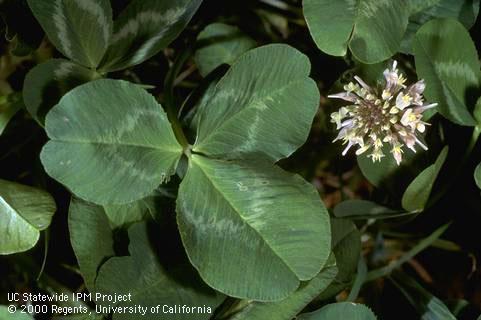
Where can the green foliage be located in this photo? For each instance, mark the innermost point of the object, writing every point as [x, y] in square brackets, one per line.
[422, 11]
[379, 173]
[114, 151]
[346, 245]
[236, 213]
[91, 238]
[363, 209]
[446, 58]
[288, 308]
[251, 112]
[187, 146]
[47, 82]
[79, 29]
[371, 29]
[417, 193]
[156, 22]
[149, 280]
[220, 43]
[341, 310]
[25, 212]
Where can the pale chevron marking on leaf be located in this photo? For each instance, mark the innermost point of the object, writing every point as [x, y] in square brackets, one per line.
[130, 166]
[64, 69]
[249, 142]
[96, 10]
[456, 69]
[59, 19]
[371, 9]
[147, 17]
[129, 124]
[257, 102]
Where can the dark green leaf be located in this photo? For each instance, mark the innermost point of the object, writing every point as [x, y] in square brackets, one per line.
[288, 308]
[218, 44]
[372, 29]
[154, 280]
[422, 11]
[447, 59]
[25, 211]
[379, 172]
[340, 310]
[417, 193]
[46, 83]
[144, 28]
[80, 29]
[363, 209]
[111, 142]
[91, 238]
[126, 214]
[257, 222]
[262, 107]
[346, 244]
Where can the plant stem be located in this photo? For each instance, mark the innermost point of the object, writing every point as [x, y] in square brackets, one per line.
[170, 99]
[177, 127]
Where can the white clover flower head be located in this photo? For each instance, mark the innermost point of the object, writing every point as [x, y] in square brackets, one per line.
[392, 115]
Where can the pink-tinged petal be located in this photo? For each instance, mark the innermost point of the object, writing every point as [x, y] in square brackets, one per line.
[417, 88]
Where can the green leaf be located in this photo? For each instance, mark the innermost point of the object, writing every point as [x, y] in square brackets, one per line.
[288, 308]
[257, 222]
[372, 29]
[346, 244]
[263, 107]
[18, 315]
[363, 209]
[47, 82]
[144, 28]
[152, 279]
[80, 29]
[91, 238]
[220, 43]
[429, 306]
[24, 211]
[378, 173]
[9, 106]
[477, 175]
[340, 310]
[111, 142]
[446, 58]
[359, 280]
[417, 193]
[126, 214]
[422, 11]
